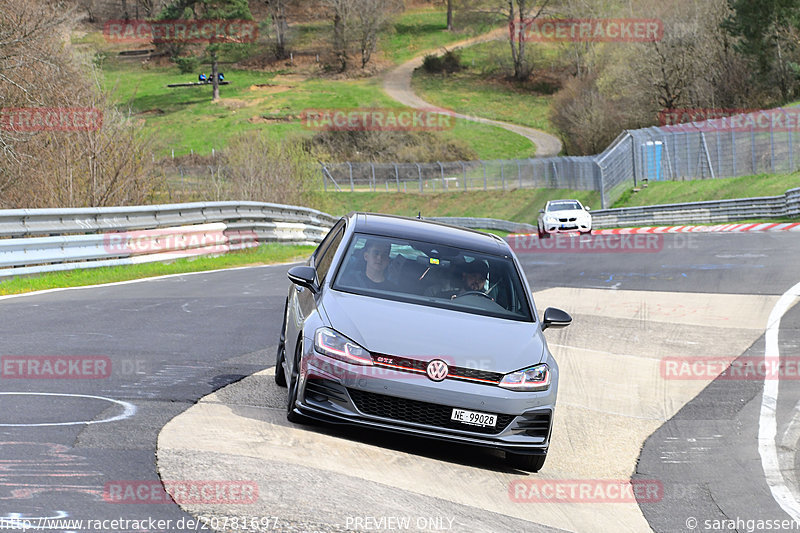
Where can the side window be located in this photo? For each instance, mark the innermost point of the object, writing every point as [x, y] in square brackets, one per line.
[326, 251]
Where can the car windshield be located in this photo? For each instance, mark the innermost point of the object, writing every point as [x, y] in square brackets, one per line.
[563, 206]
[434, 275]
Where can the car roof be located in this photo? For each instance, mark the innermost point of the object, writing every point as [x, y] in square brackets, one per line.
[428, 231]
[562, 200]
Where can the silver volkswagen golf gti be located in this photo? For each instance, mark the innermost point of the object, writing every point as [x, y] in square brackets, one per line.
[419, 327]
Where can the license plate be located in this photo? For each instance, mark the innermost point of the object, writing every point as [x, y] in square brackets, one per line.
[474, 418]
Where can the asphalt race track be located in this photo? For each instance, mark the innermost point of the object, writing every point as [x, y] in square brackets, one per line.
[179, 389]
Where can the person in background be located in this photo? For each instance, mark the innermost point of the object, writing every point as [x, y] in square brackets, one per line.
[202, 77]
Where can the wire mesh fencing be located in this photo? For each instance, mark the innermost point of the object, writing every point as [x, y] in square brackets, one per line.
[745, 144]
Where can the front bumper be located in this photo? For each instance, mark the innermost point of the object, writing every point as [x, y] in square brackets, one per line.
[568, 227]
[392, 400]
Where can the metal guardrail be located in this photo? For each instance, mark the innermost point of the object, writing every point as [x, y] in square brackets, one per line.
[486, 223]
[710, 212]
[718, 211]
[34, 241]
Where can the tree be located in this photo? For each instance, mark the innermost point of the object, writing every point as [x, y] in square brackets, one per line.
[371, 16]
[521, 14]
[768, 30]
[449, 15]
[277, 12]
[341, 12]
[210, 10]
[106, 163]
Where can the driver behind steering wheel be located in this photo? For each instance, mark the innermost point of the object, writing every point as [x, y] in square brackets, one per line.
[472, 278]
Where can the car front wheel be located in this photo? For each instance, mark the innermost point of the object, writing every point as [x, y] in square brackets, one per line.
[280, 357]
[529, 463]
[294, 386]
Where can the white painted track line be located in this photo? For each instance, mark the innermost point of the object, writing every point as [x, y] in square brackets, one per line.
[768, 423]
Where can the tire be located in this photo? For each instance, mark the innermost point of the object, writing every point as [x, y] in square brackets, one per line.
[280, 357]
[294, 385]
[280, 374]
[529, 463]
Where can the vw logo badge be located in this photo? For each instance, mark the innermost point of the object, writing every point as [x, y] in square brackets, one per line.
[437, 370]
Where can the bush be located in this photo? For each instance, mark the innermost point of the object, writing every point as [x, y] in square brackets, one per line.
[262, 170]
[392, 146]
[432, 64]
[448, 63]
[187, 65]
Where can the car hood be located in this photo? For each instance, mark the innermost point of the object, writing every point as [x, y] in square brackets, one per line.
[421, 332]
[568, 213]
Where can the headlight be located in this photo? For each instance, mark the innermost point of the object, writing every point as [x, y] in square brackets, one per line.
[550, 219]
[535, 378]
[332, 344]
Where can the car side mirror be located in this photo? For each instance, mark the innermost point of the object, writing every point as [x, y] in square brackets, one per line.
[304, 276]
[588, 208]
[541, 210]
[555, 318]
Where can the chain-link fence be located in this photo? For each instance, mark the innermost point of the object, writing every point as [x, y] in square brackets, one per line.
[759, 142]
[753, 143]
[557, 172]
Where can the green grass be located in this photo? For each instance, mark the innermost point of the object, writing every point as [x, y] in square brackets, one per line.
[669, 192]
[415, 32]
[482, 91]
[185, 119]
[265, 254]
[498, 232]
[519, 205]
[522, 205]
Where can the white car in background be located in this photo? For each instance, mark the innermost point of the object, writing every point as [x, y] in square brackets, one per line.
[564, 216]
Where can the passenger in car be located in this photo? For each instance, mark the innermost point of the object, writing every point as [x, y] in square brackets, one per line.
[376, 258]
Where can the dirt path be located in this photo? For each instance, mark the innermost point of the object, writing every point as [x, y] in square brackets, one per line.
[397, 84]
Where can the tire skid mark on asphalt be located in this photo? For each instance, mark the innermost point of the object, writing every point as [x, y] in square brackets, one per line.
[593, 435]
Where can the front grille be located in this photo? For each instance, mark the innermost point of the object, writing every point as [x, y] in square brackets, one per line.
[536, 424]
[418, 366]
[473, 373]
[573, 219]
[429, 414]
